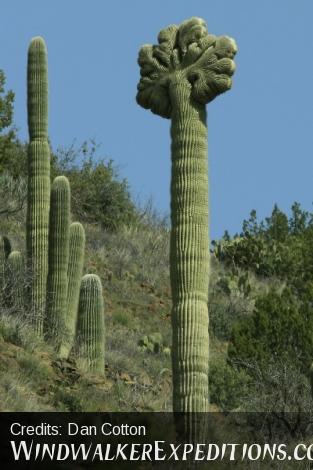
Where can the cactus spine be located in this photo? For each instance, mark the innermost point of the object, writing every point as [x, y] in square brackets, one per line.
[16, 279]
[37, 224]
[186, 70]
[74, 275]
[90, 325]
[58, 260]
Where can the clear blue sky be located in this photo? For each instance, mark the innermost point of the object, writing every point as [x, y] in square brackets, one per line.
[260, 133]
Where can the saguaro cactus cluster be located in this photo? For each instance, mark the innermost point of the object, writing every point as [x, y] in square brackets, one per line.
[187, 69]
[55, 248]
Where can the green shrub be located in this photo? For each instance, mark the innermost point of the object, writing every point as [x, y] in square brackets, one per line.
[35, 370]
[278, 247]
[66, 400]
[280, 327]
[278, 386]
[122, 318]
[99, 196]
[228, 386]
[19, 332]
[225, 309]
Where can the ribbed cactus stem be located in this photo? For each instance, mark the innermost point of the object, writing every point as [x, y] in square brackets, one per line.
[5, 250]
[187, 69]
[16, 281]
[58, 261]
[37, 225]
[90, 326]
[74, 275]
[189, 253]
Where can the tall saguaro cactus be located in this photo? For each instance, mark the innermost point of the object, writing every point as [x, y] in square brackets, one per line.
[90, 326]
[37, 224]
[58, 260]
[74, 275]
[186, 70]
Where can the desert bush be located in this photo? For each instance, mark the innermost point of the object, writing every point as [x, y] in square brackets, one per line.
[99, 195]
[278, 386]
[228, 386]
[276, 247]
[16, 394]
[17, 330]
[13, 194]
[279, 328]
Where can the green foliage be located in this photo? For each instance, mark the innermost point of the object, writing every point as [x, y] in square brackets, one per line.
[280, 327]
[16, 330]
[66, 400]
[13, 155]
[13, 194]
[278, 386]
[224, 311]
[228, 386]
[6, 104]
[278, 247]
[98, 195]
[16, 280]
[6, 115]
[152, 343]
[122, 318]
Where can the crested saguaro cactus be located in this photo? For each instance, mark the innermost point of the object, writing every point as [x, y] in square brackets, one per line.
[58, 260]
[74, 275]
[90, 325]
[186, 70]
[37, 224]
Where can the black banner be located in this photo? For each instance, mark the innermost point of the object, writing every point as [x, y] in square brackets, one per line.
[156, 440]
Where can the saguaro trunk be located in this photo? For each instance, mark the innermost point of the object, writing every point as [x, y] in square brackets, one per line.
[189, 253]
[90, 326]
[38, 201]
[57, 283]
[74, 275]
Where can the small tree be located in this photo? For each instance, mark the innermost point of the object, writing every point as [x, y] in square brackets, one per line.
[6, 116]
[98, 194]
[279, 328]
